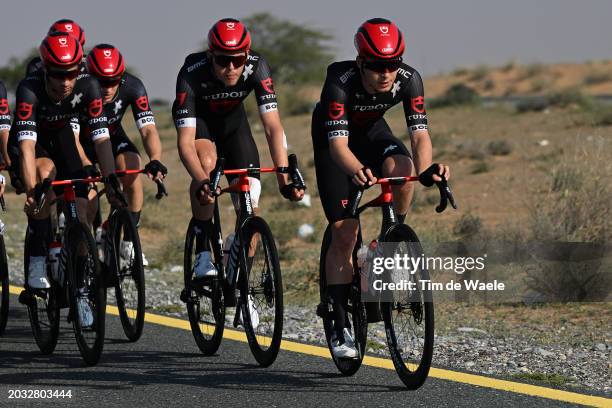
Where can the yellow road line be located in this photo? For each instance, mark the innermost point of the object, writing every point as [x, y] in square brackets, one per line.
[472, 379]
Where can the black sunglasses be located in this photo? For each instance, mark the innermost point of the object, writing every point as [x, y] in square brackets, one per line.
[225, 60]
[109, 82]
[382, 66]
[61, 74]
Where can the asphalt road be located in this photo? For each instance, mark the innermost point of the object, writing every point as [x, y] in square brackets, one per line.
[165, 368]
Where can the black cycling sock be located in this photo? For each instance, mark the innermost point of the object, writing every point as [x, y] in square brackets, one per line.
[401, 218]
[39, 231]
[339, 299]
[136, 217]
[202, 230]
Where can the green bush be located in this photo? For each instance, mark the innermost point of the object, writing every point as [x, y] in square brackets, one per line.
[499, 147]
[456, 95]
[595, 78]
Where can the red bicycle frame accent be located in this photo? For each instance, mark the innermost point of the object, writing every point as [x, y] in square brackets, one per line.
[386, 196]
[243, 182]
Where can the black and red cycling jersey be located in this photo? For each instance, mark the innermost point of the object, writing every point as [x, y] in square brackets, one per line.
[199, 94]
[131, 93]
[347, 110]
[36, 114]
[5, 114]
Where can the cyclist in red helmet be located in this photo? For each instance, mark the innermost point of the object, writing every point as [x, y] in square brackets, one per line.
[64, 25]
[42, 140]
[353, 145]
[121, 90]
[211, 121]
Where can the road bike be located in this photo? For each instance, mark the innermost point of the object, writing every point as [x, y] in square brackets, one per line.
[252, 268]
[408, 315]
[4, 276]
[74, 275]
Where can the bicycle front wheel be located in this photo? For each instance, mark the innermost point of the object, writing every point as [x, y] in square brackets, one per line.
[409, 318]
[87, 292]
[261, 291]
[43, 309]
[204, 299]
[4, 289]
[130, 282]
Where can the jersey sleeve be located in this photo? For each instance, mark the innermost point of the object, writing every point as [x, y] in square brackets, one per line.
[5, 115]
[25, 113]
[93, 112]
[264, 87]
[334, 105]
[414, 104]
[143, 115]
[184, 106]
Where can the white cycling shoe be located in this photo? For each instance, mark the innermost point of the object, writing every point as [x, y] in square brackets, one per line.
[254, 315]
[85, 313]
[37, 273]
[346, 349]
[126, 251]
[204, 267]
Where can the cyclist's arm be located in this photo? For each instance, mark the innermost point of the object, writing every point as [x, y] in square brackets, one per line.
[416, 120]
[145, 120]
[151, 142]
[26, 131]
[76, 129]
[184, 114]
[5, 125]
[97, 126]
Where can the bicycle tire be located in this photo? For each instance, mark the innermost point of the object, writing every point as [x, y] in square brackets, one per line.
[261, 293]
[4, 294]
[130, 280]
[356, 309]
[421, 310]
[195, 294]
[44, 320]
[84, 272]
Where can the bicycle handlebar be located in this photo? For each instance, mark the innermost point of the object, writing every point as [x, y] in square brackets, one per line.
[446, 195]
[161, 188]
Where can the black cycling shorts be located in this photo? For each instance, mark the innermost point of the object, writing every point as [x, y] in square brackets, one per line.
[59, 146]
[335, 187]
[232, 136]
[120, 141]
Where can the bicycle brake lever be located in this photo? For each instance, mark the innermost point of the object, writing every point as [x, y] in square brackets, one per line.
[161, 190]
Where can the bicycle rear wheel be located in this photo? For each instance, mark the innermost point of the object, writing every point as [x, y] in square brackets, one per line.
[4, 289]
[130, 281]
[87, 292]
[204, 299]
[43, 309]
[356, 313]
[409, 319]
[261, 291]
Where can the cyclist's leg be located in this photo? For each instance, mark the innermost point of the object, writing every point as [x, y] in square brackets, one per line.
[89, 151]
[335, 189]
[127, 157]
[390, 157]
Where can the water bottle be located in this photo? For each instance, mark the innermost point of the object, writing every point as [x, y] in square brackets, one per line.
[55, 249]
[100, 238]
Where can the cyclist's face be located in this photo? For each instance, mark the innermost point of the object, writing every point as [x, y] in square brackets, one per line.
[60, 83]
[228, 66]
[377, 77]
[108, 92]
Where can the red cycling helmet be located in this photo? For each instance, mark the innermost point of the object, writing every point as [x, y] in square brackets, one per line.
[230, 35]
[379, 38]
[60, 50]
[105, 62]
[71, 27]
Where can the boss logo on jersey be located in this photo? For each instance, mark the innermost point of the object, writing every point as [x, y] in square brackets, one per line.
[143, 103]
[418, 127]
[99, 132]
[336, 122]
[404, 73]
[4, 106]
[268, 107]
[180, 98]
[268, 85]
[337, 133]
[225, 95]
[95, 108]
[24, 110]
[418, 104]
[345, 77]
[196, 65]
[378, 106]
[336, 110]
